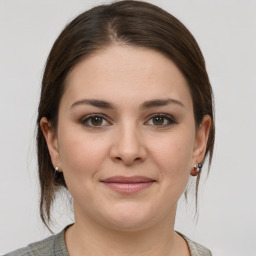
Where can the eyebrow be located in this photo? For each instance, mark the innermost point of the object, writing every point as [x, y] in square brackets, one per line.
[145, 105]
[160, 103]
[96, 103]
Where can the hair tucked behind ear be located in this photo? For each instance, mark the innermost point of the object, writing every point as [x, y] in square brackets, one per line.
[128, 22]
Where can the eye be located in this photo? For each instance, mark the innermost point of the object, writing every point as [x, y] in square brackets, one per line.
[161, 120]
[95, 121]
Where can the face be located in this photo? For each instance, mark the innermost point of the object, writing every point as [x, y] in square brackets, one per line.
[126, 139]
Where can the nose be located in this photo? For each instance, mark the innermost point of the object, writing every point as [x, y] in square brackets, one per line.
[128, 146]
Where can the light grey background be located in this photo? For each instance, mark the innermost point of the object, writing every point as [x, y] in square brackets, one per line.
[226, 32]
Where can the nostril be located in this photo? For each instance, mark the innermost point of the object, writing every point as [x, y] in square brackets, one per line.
[120, 158]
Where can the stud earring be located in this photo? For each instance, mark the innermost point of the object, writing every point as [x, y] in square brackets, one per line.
[196, 169]
[57, 172]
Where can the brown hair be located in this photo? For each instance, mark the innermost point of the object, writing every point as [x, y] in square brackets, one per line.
[128, 22]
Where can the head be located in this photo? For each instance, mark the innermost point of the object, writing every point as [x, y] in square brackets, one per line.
[133, 26]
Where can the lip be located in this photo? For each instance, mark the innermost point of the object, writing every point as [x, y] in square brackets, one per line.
[128, 185]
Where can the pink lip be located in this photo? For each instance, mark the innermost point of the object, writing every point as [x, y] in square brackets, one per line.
[128, 185]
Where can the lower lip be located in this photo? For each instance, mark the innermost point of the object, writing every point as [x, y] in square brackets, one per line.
[128, 188]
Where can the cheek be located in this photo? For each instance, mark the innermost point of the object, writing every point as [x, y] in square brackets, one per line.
[81, 155]
[173, 155]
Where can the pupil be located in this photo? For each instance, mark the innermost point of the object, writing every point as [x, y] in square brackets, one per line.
[158, 120]
[96, 120]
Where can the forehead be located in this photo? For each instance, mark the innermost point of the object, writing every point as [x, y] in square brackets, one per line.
[124, 73]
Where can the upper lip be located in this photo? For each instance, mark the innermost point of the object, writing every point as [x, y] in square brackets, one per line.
[124, 179]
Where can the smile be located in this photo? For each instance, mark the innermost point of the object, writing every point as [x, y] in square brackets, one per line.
[128, 185]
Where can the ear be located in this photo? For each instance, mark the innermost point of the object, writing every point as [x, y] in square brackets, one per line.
[202, 134]
[52, 141]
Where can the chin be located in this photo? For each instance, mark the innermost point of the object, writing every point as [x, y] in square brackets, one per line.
[129, 225]
[130, 218]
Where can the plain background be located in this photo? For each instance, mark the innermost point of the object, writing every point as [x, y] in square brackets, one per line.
[226, 33]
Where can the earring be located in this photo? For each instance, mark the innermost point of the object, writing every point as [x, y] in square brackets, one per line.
[57, 172]
[197, 168]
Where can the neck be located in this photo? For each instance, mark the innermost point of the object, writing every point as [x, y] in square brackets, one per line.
[86, 237]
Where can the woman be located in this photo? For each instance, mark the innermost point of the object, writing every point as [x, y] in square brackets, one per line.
[125, 117]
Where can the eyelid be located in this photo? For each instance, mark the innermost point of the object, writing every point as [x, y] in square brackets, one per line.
[171, 120]
[86, 118]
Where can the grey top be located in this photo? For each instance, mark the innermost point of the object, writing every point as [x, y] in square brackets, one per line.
[55, 246]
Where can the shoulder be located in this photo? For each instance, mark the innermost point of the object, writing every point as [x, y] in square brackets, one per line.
[53, 245]
[195, 248]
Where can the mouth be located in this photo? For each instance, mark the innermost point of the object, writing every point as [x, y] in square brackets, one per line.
[128, 185]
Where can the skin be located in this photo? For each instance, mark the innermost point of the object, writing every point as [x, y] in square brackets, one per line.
[126, 140]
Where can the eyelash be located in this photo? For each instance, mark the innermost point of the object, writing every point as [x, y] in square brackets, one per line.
[85, 121]
[168, 120]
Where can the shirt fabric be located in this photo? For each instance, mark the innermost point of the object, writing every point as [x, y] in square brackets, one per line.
[55, 246]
